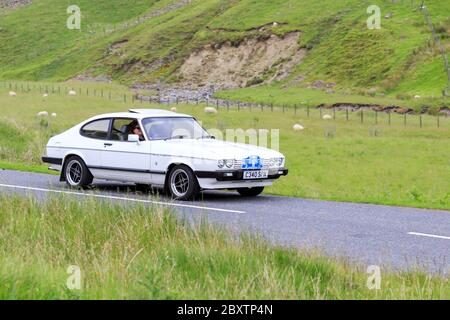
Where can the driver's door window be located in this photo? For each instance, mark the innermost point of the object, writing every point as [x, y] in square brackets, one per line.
[121, 128]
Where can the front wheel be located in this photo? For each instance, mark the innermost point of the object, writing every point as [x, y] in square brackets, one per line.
[250, 192]
[182, 183]
[76, 173]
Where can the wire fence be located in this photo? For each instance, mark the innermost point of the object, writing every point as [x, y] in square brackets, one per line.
[300, 110]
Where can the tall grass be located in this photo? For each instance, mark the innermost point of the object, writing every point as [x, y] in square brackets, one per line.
[142, 252]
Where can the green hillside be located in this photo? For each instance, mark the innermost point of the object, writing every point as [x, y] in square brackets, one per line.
[139, 41]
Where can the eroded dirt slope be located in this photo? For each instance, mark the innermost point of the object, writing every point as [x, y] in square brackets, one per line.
[250, 62]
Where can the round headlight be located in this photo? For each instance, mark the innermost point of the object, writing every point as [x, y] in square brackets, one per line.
[280, 162]
[272, 162]
[229, 163]
[220, 163]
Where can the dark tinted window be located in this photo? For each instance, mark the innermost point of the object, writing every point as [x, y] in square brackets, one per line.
[96, 129]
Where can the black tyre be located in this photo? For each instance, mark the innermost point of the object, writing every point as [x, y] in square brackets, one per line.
[182, 183]
[250, 192]
[77, 173]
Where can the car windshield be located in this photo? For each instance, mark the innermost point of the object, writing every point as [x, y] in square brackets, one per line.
[173, 128]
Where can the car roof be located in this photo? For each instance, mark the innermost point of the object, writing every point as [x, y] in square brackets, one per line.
[142, 113]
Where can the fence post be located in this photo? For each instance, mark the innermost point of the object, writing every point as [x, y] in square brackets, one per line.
[307, 111]
[438, 124]
[346, 114]
[420, 120]
[389, 117]
[362, 115]
[295, 109]
[376, 116]
[404, 119]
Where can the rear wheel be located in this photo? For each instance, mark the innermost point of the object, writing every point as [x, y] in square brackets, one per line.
[76, 173]
[182, 183]
[250, 192]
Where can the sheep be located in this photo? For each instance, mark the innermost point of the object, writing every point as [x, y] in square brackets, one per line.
[327, 117]
[45, 95]
[72, 93]
[53, 115]
[12, 94]
[173, 109]
[298, 127]
[417, 96]
[42, 114]
[210, 110]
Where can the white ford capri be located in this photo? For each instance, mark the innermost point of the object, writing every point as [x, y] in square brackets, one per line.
[162, 149]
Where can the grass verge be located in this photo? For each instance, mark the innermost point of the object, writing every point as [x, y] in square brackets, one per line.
[143, 252]
[26, 168]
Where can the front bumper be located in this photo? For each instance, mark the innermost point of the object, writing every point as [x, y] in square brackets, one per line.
[238, 175]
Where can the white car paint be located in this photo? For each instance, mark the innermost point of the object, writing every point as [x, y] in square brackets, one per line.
[149, 161]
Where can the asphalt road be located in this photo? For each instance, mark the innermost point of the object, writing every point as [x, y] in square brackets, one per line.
[391, 237]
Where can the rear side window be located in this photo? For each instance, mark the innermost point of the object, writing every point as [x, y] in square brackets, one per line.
[96, 129]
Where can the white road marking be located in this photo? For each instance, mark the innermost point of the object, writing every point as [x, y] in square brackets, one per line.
[428, 235]
[120, 198]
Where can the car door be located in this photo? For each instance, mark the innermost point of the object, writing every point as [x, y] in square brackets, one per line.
[122, 160]
[92, 140]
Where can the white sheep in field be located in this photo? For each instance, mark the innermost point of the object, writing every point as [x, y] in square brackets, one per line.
[327, 117]
[210, 110]
[173, 109]
[417, 97]
[42, 114]
[53, 115]
[298, 127]
[45, 95]
[12, 94]
[72, 93]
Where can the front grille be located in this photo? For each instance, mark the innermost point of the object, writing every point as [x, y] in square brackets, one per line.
[238, 164]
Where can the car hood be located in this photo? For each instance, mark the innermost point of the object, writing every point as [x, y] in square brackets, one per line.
[213, 149]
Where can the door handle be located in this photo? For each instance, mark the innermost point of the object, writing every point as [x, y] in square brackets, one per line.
[108, 144]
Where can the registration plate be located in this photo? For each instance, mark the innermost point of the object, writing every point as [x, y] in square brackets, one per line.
[263, 174]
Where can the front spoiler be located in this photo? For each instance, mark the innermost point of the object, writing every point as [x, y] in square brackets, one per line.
[236, 175]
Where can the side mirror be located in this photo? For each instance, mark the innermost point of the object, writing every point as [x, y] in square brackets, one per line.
[133, 138]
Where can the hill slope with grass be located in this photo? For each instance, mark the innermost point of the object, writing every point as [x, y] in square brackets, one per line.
[149, 41]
